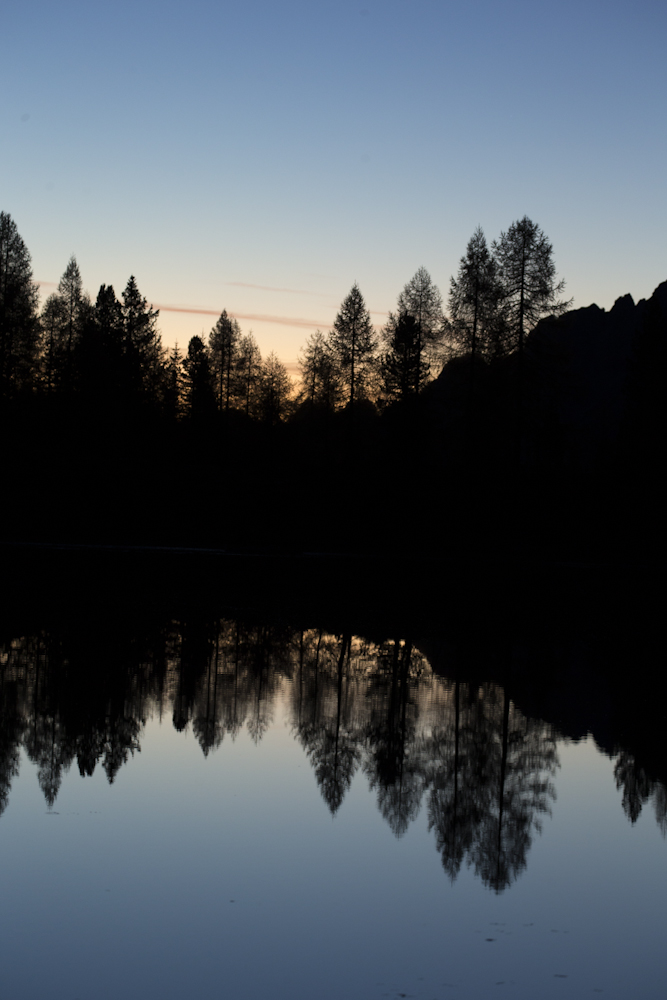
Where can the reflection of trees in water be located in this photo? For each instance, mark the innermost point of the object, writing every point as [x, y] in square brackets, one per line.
[490, 782]
[265, 654]
[47, 747]
[351, 706]
[13, 720]
[357, 707]
[207, 726]
[638, 788]
[228, 679]
[67, 709]
[11, 732]
[520, 767]
[327, 728]
[456, 758]
[395, 763]
[660, 806]
[47, 741]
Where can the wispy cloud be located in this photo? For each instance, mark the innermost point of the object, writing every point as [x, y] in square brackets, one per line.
[309, 324]
[271, 288]
[293, 321]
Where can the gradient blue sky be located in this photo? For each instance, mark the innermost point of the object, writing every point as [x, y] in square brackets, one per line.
[261, 157]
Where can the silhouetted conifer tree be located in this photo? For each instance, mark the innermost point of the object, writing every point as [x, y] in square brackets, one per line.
[63, 319]
[109, 315]
[74, 303]
[474, 301]
[275, 391]
[19, 326]
[223, 346]
[401, 366]
[527, 274]
[199, 393]
[421, 300]
[319, 380]
[173, 385]
[354, 346]
[248, 374]
[99, 361]
[142, 342]
[52, 323]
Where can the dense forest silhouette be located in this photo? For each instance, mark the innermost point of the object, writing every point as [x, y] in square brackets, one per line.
[454, 712]
[431, 546]
[504, 423]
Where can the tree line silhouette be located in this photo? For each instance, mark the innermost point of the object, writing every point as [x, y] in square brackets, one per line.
[510, 413]
[113, 346]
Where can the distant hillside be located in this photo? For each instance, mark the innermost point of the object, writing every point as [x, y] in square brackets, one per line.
[590, 379]
[584, 363]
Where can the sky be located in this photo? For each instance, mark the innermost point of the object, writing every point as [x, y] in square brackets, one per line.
[262, 157]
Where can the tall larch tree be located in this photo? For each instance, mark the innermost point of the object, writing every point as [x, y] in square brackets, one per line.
[317, 367]
[63, 319]
[70, 290]
[223, 345]
[142, 343]
[354, 343]
[401, 365]
[173, 384]
[422, 300]
[19, 325]
[199, 393]
[527, 274]
[98, 352]
[248, 373]
[275, 390]
[474, 300]
[530, 291]
[52, 322]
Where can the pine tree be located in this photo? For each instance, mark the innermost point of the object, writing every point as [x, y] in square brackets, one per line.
[109, 315]
[527, 275]
[474, 301]
[354, 347]
[248, 373]
[421, 299]
[275, 390]
[19, 325]
[401, 365]
[70, 290]
[317, 367]
[53, 323]
[173, 384]
[142, 343]
[64, 317]
[223, 344]
[199, 394]
[98, 353]
[530, 291]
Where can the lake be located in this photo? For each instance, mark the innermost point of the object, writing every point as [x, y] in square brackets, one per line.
[228, 790]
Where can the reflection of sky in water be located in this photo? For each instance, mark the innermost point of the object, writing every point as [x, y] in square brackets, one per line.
[228, 876]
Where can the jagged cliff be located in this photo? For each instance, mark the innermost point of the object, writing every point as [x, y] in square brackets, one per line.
[588, 364]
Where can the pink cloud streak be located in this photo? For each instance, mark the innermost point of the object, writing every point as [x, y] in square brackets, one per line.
[271, 288]
[252, 317]
[293, 321]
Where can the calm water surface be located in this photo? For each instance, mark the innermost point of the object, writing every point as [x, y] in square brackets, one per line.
[290, 814]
